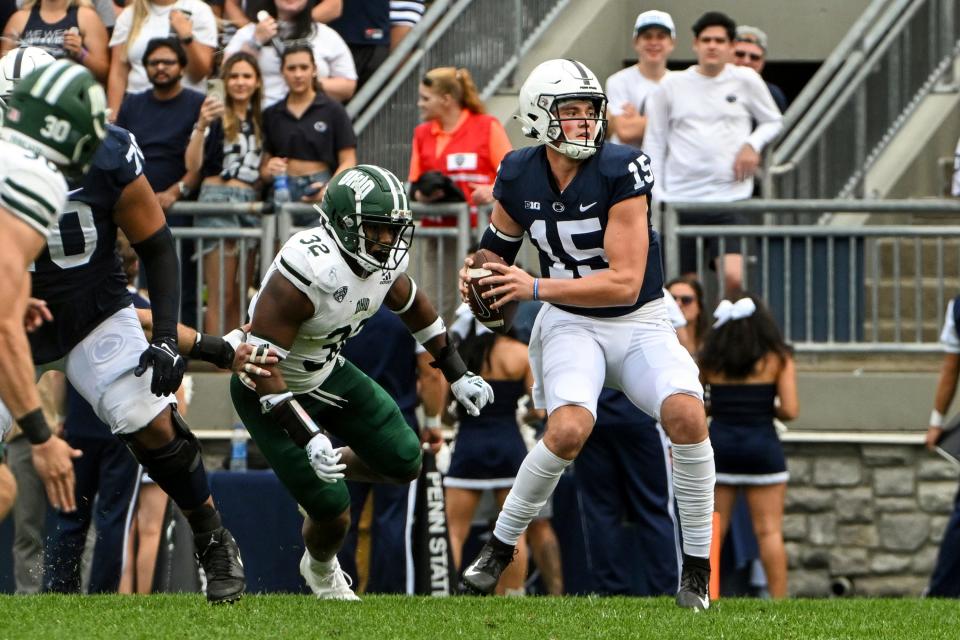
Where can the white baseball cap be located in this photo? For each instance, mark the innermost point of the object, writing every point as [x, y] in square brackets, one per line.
[654, 18]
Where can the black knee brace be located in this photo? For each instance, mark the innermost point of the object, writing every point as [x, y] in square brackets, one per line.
[176, 466]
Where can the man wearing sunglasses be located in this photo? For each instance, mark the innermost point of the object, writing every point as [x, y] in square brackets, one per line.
[750, 50]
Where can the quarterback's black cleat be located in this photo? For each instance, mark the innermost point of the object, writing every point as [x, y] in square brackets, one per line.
[219, 556]
[694, 590]
[481, 577]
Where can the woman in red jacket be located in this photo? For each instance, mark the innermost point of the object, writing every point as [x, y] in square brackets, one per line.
[457, 147]
[457, 138]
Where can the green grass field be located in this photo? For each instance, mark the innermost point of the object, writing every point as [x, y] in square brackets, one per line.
[388, 617]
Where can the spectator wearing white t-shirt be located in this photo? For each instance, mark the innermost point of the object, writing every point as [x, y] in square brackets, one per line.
[702, 140]
[289, 21]
[190, 21]
[654, 36]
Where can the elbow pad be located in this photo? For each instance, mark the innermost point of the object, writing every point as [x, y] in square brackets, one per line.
[160, 261]
[507, 247]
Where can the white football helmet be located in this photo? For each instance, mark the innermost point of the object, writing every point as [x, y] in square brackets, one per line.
[18, 63]
[554, 82]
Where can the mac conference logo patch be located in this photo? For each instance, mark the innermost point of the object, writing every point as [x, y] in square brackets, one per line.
[340, 294]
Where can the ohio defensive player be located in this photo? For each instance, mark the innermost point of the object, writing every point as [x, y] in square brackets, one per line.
[321, 288]
[584, 206]
[54, 121]
[95, 335]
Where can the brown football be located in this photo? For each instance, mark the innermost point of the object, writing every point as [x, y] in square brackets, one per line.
[498, 320]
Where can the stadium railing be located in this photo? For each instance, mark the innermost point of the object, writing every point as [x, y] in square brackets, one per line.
[893, 56]
[836, 287]
[488, 38]
[434, 261]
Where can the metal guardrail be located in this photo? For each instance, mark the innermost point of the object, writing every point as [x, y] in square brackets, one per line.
[487, 37]
[839, 288]
[436, 256]
[863, 94]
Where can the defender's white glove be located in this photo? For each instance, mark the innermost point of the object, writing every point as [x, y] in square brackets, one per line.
[324, 459]
[472, 392]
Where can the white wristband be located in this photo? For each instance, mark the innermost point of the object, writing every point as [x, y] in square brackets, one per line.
[431, 331]
[936, 418]
[431, 422]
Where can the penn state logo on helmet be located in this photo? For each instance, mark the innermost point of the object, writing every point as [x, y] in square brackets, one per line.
[367, 211]
[58, 111]
[16, 64]
[548, 86]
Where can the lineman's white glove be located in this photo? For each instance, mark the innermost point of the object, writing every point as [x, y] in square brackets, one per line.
[472, 392]
[324, 459]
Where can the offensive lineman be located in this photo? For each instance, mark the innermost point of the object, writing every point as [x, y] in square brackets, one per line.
[32, 192]
[95, 335]
[584, 206]
[321, 288]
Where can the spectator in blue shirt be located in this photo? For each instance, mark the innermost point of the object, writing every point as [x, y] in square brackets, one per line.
[162, 120]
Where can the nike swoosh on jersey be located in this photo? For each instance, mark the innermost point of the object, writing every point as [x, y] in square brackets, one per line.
[584, 209]
[73, 192]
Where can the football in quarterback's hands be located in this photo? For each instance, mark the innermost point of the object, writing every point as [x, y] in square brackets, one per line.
[498, 320]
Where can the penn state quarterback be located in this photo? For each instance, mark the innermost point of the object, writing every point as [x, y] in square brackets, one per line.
[584, 205]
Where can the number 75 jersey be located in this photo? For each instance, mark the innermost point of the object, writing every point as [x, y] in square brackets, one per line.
[79, 273]
[568, 228]
[342, 303]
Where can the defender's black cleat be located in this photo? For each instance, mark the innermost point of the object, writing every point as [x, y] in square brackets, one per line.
[694, 590]
[219, 556]
[481, 577]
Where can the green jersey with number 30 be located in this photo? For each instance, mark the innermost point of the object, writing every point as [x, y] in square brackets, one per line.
[342, 302]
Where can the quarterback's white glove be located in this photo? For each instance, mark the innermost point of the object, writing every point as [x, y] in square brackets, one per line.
[324, 459]
[472, 392]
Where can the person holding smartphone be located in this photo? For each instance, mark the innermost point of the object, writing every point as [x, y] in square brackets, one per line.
[225, 149]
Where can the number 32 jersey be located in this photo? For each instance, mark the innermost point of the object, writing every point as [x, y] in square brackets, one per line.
[342, 303]
[79, 273]
[568, 228]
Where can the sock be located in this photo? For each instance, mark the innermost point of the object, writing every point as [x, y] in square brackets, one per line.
[536, 480]
[320, 566]
[694, 477]
[204, 519]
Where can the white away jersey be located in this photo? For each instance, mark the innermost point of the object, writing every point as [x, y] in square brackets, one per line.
[342, 303]
[30, 187]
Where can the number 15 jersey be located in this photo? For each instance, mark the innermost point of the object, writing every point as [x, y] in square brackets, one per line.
[568, 228]
[79, 274]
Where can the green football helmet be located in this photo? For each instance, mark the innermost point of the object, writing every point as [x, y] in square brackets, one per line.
[60, 112]
[363, 207]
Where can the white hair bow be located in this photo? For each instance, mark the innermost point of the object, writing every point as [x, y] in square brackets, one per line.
[726, 311]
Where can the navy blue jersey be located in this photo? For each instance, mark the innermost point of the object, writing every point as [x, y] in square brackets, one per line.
[567, 228]
[386, 351]
[79, 273]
